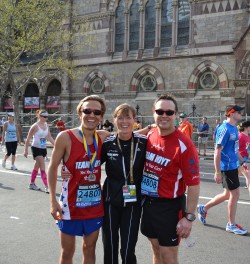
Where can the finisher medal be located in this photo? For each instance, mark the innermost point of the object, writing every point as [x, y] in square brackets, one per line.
[92, 177]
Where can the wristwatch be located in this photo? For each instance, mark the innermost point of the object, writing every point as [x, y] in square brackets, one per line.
[149, 127]
[190, 217]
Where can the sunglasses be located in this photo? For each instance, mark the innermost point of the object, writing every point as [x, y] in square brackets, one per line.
[167, 112]
[44, 116]
[88, 111]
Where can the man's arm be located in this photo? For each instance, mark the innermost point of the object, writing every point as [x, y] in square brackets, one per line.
[57, 154]
[217, 159]
[193, 193]
[184, 226]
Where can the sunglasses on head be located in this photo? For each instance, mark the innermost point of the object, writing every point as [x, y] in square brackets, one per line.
[88, 111]
[167, 112]
[44, 116]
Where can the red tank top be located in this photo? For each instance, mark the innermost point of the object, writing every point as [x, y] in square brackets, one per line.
[78, 165]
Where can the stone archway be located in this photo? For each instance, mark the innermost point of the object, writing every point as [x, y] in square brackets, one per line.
[91, 77]
[143, 71]
[213, 67]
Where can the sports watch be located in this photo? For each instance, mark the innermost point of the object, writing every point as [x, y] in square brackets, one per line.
[190, 217]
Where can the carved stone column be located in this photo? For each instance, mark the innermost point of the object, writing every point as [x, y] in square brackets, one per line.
[174, 27]
[191, 23]
[111, 42]
[157, 29]
[126, 34]
[141, 32]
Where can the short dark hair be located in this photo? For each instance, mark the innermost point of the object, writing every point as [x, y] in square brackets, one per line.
[168, 97]
[243, 125]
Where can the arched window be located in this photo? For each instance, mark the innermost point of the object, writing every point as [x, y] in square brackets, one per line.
[208, 80]
[134, 26]
[166, 23]
[148, 83]
[183, 22]
[54, 88]
[150, 25]
[119, 26]
[97, 86]
[248, 73]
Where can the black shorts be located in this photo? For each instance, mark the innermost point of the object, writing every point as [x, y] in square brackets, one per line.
[11, 147]
[230, 179]
[160, 217]
[38, 152]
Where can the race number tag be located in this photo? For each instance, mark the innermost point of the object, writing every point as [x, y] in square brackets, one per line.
[129, 193]
[88, 195]
[43, 142]
[149, 185]
[11, 134]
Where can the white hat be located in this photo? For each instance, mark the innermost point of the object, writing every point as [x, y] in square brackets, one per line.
[11, 114]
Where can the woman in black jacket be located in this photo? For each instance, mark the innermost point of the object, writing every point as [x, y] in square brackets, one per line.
[124, 155]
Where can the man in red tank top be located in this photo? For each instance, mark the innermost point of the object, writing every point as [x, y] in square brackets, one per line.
[79, 211]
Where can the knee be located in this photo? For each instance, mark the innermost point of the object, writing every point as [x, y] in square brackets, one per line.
[89, 247]
[235, 194]
[67, 253]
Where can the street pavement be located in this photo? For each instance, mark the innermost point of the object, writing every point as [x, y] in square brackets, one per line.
[29, 234]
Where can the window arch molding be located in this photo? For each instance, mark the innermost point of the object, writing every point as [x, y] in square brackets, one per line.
[244, 69]
[143, 71]
[202, 68]
[114, 3]
[89, 79]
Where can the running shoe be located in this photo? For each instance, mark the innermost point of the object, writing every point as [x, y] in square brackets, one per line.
[4, 163]
[13, 167]
[33, 186]
[202, 213]
[236, 229]
[46, 189]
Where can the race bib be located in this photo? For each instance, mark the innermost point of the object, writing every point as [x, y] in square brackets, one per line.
[149, 185]
[11, 134]
[43, 142]
[129, 193]
[88, 195]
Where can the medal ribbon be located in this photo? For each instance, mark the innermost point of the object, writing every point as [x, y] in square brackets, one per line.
[131, 158]
[87, 149]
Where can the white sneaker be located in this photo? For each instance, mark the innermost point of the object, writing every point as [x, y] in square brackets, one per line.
[46, 189]
[13, 167]
[4, 163]
[33, 186]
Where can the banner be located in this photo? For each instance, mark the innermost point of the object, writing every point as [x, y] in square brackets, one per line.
[7, 103]
[31, 102]
[53, 102]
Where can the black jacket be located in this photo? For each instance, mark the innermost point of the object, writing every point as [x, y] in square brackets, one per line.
[112, 155]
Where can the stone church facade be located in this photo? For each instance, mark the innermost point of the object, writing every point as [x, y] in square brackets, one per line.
[197, 50]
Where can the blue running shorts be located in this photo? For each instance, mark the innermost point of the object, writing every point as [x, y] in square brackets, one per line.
[80, 227]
